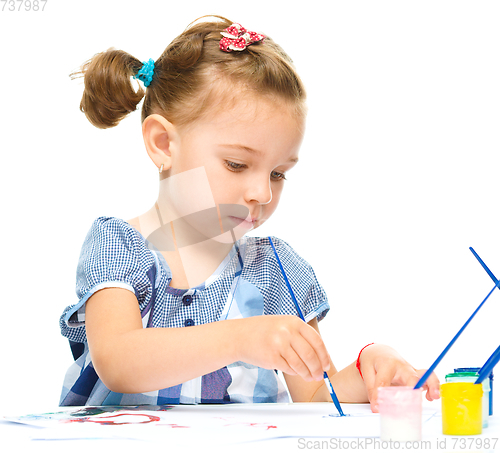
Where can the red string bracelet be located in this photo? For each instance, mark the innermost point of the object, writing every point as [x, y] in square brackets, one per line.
[358, 365]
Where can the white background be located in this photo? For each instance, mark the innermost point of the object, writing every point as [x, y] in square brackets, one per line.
[398, 172]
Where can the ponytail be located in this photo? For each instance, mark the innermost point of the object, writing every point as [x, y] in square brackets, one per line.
[191, 77]
[109, 95]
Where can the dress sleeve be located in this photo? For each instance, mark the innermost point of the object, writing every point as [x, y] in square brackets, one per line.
[113, 255]
[308, 292]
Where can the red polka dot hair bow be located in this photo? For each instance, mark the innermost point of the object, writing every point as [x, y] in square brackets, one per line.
[238, 38]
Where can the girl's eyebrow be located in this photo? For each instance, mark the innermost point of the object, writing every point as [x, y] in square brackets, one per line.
[252, 150]
[242, 147]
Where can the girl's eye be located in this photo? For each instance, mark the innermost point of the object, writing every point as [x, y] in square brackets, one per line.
[277, 176]
[233, 166]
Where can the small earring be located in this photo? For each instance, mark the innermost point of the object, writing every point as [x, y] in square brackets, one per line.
[161, 168]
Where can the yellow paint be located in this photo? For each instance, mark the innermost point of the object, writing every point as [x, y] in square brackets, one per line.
[462, 408]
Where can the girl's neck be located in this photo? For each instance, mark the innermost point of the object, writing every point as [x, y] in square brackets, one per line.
[191, 259]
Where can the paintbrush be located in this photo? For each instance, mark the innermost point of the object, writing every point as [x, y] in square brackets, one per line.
[326, 378]
[484, 265]
[488, 366]
[436, 362]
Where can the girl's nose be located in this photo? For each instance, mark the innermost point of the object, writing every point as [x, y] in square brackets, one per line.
[260, 191]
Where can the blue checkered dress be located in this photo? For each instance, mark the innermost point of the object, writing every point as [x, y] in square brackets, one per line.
[247, 283]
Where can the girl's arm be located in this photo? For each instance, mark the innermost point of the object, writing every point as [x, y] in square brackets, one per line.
[381, 366]
[131, 359]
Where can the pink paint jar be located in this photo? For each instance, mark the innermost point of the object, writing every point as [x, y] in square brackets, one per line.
[400, 411]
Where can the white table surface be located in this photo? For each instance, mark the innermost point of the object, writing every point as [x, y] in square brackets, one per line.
[237, 427]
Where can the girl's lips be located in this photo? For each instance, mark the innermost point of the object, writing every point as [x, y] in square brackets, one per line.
[244, 223]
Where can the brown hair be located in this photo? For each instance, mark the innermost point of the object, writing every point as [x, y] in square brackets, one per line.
[189, 78]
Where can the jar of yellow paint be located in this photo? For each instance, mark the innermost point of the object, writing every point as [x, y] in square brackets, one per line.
[472, 377]
[462, 408]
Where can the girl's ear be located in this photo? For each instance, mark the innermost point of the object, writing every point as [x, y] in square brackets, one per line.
[159, 135]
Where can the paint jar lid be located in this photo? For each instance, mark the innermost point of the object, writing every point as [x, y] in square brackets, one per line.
[462, 370]
[473, 369]
[467, 377]
[461, 374]
[466, 388]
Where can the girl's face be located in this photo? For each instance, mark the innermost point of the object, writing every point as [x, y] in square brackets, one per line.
[245, 151]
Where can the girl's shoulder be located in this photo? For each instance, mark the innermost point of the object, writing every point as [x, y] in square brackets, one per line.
[268, 249]
[112, 229]
[113, 239]
[277, 270]
[110, 221]
[114, 251]
[264, 242]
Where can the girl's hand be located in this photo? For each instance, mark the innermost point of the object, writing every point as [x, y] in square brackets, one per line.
[283, 342]
[382, 366]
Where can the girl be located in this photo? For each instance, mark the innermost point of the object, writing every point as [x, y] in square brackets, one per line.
[177, 305]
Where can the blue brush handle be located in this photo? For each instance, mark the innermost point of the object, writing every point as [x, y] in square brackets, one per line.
[332, 393]
[435, 364]
[484, 265]
[488, 366]
[299, 311]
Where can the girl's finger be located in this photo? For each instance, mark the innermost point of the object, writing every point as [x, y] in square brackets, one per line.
[431, 385]
[407, 375]
[380, 378]
[285, 367]
[316, 343]
[309, 358]
[296, 364]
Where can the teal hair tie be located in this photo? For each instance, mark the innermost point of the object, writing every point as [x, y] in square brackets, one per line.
[146, 72]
